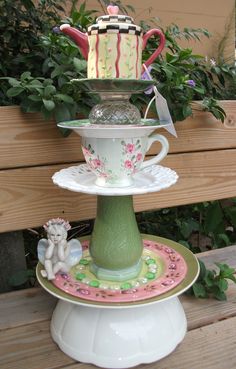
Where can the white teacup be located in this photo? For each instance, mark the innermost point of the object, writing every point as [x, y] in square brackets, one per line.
[116, 160]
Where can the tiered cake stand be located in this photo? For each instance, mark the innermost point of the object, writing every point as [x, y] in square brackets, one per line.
[119, 306]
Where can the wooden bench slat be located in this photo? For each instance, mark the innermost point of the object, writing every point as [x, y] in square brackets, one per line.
[32, 198]
[208, 347]
[39, 142]
[25, 307]
[30, 346]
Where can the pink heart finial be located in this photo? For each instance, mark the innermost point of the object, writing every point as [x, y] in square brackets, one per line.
[113, 9]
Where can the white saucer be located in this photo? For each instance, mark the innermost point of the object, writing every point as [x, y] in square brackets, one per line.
[81, 179]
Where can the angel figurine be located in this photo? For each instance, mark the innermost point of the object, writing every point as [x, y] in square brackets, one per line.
[56, 253]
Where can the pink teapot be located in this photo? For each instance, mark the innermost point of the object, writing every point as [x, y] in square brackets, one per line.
[113, 46]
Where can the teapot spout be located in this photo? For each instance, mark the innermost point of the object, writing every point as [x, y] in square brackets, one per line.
[80, 38]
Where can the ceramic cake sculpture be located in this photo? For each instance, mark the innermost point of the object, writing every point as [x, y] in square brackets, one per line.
[118, 290]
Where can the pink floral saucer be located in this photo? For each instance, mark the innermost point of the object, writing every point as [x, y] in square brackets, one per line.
[162, 270]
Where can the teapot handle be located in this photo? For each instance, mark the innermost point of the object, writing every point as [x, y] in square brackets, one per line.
[149, 34]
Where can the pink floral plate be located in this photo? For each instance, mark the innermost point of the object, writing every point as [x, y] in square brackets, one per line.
[163, 268]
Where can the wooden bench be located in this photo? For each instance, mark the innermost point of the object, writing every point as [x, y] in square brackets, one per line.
[31, 150]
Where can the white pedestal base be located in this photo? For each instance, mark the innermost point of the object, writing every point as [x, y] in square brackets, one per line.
[119, 337]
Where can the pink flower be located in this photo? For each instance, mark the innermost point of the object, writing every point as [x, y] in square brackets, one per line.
[130, 148]
[168, 282]
[83, 291]
[128, 164]
[139, 156]
[96, 163]
[103, 174]
[86, 151]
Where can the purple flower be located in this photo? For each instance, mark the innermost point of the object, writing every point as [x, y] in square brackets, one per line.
[146, 76]
[56, 30]
[191, 83]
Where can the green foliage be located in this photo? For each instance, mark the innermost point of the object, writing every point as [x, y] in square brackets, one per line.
[52, 60]
[198, 227]
[22, 22]
[181, 76]
[213, 284]
[212, 224]
[22, 279]
[50, 93]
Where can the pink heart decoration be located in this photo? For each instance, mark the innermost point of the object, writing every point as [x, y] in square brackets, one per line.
[113, 9]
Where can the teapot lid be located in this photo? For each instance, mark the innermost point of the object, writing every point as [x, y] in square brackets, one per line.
[114, 22]
[114, 17]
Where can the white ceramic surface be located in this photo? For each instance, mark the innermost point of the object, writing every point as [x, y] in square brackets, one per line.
[119, 338]
[85, 129]
[81, 179]
[114, 161]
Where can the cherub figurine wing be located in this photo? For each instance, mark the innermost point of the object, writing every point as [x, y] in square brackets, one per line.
[75, 252]
[73, 257]
[42, 246]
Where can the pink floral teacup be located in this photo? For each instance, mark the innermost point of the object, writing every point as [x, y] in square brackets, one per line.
[115, 160]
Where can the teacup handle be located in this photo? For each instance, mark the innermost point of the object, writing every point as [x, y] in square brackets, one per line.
[164, 150]
[147, 35]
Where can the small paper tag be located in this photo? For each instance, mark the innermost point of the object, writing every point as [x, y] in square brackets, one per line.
[161, 107]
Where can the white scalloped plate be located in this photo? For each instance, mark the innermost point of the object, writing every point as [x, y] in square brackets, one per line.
[81, 179]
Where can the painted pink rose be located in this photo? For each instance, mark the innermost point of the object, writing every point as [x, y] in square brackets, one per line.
[103, 174]
[86, 151]
[139, 156]
[95, 163]
[130, 148]
[128, 164]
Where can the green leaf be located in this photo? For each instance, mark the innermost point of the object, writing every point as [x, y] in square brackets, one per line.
[200, 90]
[79, 64]
[199, 290]
[203, 270]
[187, 111]
[65, 98]
[35, 83]
[35, 97]
[31, 106]
[14, 91]
[219, 295]
[226, 271]
[64, 131]
[57, 71]
[224, 238]
[223, 284]
[214, 216]
[209, 278]
[62, 113]
[13, 82]
[185, 244]
[49, 104]
[170, 58]
[25, 75]
[231, 213]
[49, 90]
